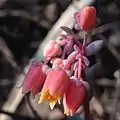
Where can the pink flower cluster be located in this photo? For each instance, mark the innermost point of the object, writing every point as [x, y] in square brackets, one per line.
[59, 77]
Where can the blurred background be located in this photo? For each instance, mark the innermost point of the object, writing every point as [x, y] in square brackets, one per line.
[26, 24]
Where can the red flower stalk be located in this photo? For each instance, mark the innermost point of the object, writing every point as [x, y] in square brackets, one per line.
[34, 79]
[56, 84]
[86, 19]
[74, 97]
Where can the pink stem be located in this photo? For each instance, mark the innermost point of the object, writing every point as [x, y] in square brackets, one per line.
[84, 42]
[79, 67]
[76, 73]
[80, 60]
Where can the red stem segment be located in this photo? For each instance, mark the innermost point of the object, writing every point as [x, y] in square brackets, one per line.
[76, 73]
[79, 67]
[84, 43]
[82, 52]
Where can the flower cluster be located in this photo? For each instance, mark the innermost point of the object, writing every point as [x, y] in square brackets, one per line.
[59, 77]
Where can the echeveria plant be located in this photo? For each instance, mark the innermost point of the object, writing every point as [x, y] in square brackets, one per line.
[60, 76]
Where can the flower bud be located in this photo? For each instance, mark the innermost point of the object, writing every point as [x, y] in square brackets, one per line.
[52, 49]
[34, 79]
[74, 97]
[86, 19]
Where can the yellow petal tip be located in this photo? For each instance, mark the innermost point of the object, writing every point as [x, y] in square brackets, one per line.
[39, 102]
[52, 104]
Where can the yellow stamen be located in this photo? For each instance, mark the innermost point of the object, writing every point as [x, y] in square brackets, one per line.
[45, 96]
[52, 103]
[53, 100]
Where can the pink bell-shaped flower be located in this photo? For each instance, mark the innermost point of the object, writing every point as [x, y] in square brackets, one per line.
[86, 19]
[52, 49]
[74, 97]
[34, 79]
[56, 84]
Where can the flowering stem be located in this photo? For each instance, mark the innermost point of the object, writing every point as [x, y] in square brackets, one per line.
[80, 60]
[79, 67]
[76, 73]
[77, 42]
[84, 42]
[86, 104]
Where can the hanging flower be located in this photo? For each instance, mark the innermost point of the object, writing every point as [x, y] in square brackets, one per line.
[74, 97]
[34, 79]
[52, 49]
[86, 19]
[56, 83]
